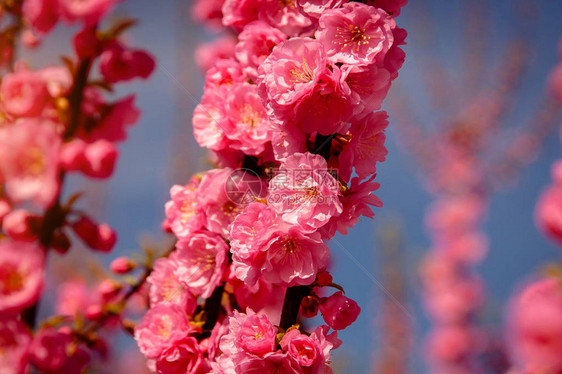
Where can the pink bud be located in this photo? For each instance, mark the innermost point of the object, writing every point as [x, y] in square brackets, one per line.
[21, 225]
[94, 312]
[144, 63]
[108, 289]
[323, 279]
[339, 311]
[118, 63]
[87, 43]
[100, 159]
[122, 265]
[60, 242]
[165, 226]
[309, 306]
[71, 155]
[29, 39]
[98, 237]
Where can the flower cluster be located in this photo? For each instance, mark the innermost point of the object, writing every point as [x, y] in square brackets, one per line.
[289, 115]
[56, 121]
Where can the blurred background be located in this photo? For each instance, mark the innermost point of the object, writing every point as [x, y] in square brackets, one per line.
[455, 50]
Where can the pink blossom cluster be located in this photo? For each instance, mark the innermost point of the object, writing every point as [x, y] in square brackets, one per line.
[290, 113]
[56, 121]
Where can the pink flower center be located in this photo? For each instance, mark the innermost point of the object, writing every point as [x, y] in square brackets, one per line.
[165, 326]
[288, 3]
[302, 74]
[350, 35]
[290, 246]
[32, 162]
[11, 280]
[249, 116]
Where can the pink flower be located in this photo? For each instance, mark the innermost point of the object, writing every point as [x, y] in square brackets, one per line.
[300, 347]
[99, 159]
[21, 274]
[14, 345]
[24, 93]
[325, 343]
[118, 63]
[274, 362]
[339, 311]
[208, 12]
[392, 7]
[42, 15]
[21, 225]
[122, 265]
[87, 43]
[218, 207]
[248, 333]
[210, 120]
[239, 13]
[182, 211]
[366, 147]
[99, 237]
[163, 327]
[202, 261]
[224, 72]
[73, 297]
[451, 344]
[29, 161]
[315, 8]
[357, 201]
[222, 48]
[49, 348]
[255, 43]
[165, 286]
[117, 117]
[536, 327]
[249, 128]
[395, 56]
[184, 357]
[367, 87]
[304, 192]
[548, 214]
[87, 11]
[286, 141]
[356, 34]
[285, 16]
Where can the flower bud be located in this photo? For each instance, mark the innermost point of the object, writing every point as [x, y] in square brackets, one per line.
[97, 236]
[100, 159]
[60, 242]
[108, 289]
[71, 156]
[309, 306]
[87, 43]
[323, 279]
[21, 225]
[122, 265]
[339, 311]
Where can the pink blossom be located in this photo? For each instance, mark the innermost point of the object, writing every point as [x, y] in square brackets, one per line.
[357, 201]
[87, 43]
[262, 297]
[356, 34]
[21, 225]
[100, 158]
[182, 211]
[210, 120]
[255, 43]
[367, 87]
[248, 333]
[122, 265]
[285, 16]
[224, 72]
[339, 311]
[304, 192]
[325, 342]
[42, 15]
[14, 345]
[100, 237]
[113, 125]
[118, 63]
[208, 12]
[392, 7]
[207, 54]
[165, 286]
[274, 362]
[29, 161]
[218, 207]
[49, 348]
[202, 261]
[163, 327]
[239, 13]
[21, 274]
[249, 127]
[250, 228]
[395, 56]
[300, 347]
[536, 327]
[548, 214]
[366, 147]
[457, 213]
[451, 344]
[73, 297]
[24, 93]
[286, 141]
[315, 8]
[87, 11]
[184, 357]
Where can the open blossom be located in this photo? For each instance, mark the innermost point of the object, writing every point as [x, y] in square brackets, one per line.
[300, 347]
[255, 43]
[272, 362]
[49, 348]
[42, 15]
[367, 86]
[166, 287]
[162, 327]
[239, 13]
[14, 344]
[209, 120]
[202, 261]
[224, 72]
[315, 8]
[536, 327]
[304, 192]
[182, 212]
[356, 34]
[248, 334]
[249, 128]
[285, 16]
[250, 228]
[21, 274]
[184, 357]
[366, 147]
[24, 93]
